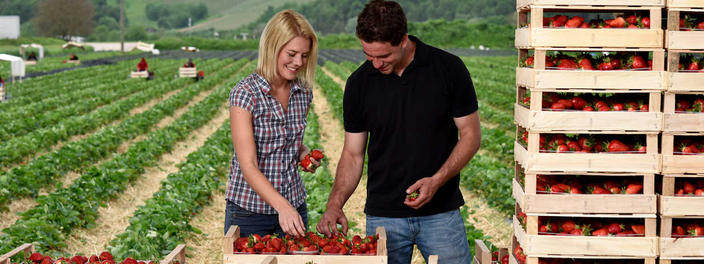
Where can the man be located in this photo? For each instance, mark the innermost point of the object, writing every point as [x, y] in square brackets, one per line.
[410, 100]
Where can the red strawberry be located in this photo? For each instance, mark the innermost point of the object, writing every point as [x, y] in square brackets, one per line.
[688, 187]
[129, 261]
[637, 62]
[36, 257]
[614, 228]
[588, 108]
[600, 232]
[518, 253]
[698, 192]
[105, 255]
[574, 22]
[558, 106]
[578, 103]
[694, 65]
[599, 190]
[638, 229]
[617, 107]
[573, 146]
[562, 148]
[645, 21]
[413, 196]
[558, 21]
[529, 62]
[317, 154]
[700, 25]
[586, 64]
[632, 19]
[568, 226]
[617, 146]
[679, 231]
[634, 188]
[644, 108]
[566, 64]
[618, 22]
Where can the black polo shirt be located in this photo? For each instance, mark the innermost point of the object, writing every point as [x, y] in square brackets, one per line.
[411, 127]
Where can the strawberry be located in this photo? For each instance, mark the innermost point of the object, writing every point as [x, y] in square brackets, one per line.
[566, 64]
[307, 164]
[567, 103]
[578, 103]
[699, 192]
[616, 145]
[36, 257]
[634, 188]
[105, 255]
[93, 259]
[700, 25]
[588, 108]
[599, 190]
[695, 230]
[638, 229]
[698, 105]
[637, 62]
[614, 228]
[568, 226]
[129, 261]
[585, 63]
[688, 150]
[679, 231]
[574, 22]
[618, 22]
[682, 104]
[617, 107]
[529, 62]
[645, 22]
[317, 155]
[413, 196]
[585, 143]
[518, 253]
[558, 106]
[600, 232]
[644, 108]
[562, 148]
[688, 187]
[632, 26]
[632, 19]
[694, 65]
[558, 21]
[573, 146]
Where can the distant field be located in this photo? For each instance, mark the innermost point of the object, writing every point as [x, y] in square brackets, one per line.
[224, 14]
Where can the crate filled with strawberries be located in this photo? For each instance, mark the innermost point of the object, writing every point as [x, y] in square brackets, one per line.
[299, 250]
[520, 4]
[574, 25]
[25, 254]
[606, 235]
[682, 195]
[586, 110]
[685, 70]
[682, 237]
[605, 193]
[683, 153]
[685, 28]
[594, 151]
[683, 111]
[591, 68]
[486, 255]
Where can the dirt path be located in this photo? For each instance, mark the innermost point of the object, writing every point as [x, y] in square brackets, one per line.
[207, 246]
[335, 78]
[114, 218]
[107, 225]
[21, 205]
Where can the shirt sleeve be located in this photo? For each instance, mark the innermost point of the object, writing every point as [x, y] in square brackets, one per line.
[241, 97]
[464, 98]
[352, 107]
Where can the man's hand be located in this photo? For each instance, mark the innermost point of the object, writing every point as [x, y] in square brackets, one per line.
[426, 187]
[328, 222]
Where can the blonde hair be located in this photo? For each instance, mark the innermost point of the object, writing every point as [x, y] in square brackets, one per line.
[281, 28]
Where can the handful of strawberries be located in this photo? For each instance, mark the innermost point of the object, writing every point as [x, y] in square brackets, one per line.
[317, 155]
[311, 243]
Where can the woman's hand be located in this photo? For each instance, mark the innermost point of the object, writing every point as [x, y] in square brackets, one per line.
[291, 222]
[302, 153]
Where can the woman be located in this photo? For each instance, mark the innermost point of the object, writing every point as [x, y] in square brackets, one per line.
[268, 112]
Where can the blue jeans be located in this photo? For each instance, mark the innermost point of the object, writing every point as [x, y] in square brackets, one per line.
[254, 223]
[440, 234]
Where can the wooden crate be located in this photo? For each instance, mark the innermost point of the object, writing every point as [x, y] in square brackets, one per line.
[139, 74]
[536, 36]
[178, 254]
[77, 62]
[682, 247]
[683, 81]
[538, 78]
[680, 164]
[535, 245]
[483, 255]
[685, 3]
[680, 122]
[526, 3]
[30, 62]
[536, 118]
[533, 160]
[682, 40]
[233, 234]
[187, 72]
[531, 202]
[679, 206]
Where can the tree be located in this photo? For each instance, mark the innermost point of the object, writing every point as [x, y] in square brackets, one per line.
[65, 18]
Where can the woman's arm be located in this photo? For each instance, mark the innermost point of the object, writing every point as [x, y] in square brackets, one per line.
[243, 139]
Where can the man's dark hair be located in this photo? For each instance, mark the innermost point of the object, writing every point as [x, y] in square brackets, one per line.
[382, 21]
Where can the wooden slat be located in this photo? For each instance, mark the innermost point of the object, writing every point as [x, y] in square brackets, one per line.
[685, 39]
[559, 37]
[179, 254]
[525, 3]
[686, 3]
[27, 248]
[681, 247]
[547, 121]
[681, 206]
[482, 252]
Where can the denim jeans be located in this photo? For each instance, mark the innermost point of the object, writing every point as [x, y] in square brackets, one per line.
[254, 223]
[440, 234]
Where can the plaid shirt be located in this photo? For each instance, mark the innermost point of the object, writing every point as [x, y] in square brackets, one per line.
[278, 136]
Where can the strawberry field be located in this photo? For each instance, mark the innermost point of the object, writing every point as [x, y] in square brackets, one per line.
[93, 161]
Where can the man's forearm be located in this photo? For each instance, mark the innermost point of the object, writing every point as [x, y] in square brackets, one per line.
[349, 172]
[460, 156]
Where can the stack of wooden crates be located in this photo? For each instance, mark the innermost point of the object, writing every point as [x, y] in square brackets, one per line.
[677, 125]
[531, 162]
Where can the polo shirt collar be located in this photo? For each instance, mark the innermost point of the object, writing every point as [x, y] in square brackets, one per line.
[265, 87]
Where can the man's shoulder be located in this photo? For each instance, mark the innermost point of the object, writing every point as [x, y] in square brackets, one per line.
[360, 73]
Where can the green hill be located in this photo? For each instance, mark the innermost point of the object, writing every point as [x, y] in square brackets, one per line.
[223, 14]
